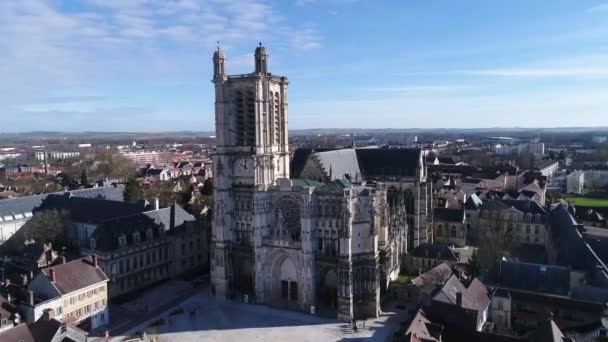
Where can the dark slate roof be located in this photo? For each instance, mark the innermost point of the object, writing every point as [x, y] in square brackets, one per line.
[473, 202]
[448, 214]
[548, 332]
[27, 204]
[299, 159]
[163, 216]
[446, 160]
[434, 251]
[525, 206]
[535, 277]
[75, 275]
[572, 250]
[89, 210]
[305, 183]
[107, 233]
[388, 162]
[501, 293]
[45, 329]
[588, 214]
[337, 185]
[153, 172]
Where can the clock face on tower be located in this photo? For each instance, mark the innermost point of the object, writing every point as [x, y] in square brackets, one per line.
[243, 167]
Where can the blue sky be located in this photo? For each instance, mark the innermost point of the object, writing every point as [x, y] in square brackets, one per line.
[145, 65]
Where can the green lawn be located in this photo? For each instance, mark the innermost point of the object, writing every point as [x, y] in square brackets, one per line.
[404, 278]
[587, 201]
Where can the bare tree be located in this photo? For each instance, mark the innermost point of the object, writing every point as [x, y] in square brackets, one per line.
[497, 235]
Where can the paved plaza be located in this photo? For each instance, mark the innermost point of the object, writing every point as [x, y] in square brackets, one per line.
[204, 318]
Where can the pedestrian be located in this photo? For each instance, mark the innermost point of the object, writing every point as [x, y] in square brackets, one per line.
[355, 325]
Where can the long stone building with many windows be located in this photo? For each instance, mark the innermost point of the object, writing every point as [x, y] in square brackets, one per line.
[324, 246]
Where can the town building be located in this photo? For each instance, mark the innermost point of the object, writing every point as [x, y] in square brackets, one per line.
[449, 226]
[136, 244]
[46, 329]
[428, 255]
[15, 212]
[81, 288]
[526, 222]
[457, 306]
[575, 182]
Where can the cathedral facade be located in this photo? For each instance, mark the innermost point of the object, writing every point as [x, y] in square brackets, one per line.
[302, 244]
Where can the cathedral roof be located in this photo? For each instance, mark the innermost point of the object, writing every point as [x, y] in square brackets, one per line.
[337, 185]
[368, 163]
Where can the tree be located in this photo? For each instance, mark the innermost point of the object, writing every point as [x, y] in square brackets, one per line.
[133, 191]
[473, 267]
[496, 235]
[207, 187]
[83, 178]
[46, 226]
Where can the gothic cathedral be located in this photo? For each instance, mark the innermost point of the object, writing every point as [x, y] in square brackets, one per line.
[299, 244]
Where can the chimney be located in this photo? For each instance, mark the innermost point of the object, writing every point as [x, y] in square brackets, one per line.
[156, 204]
[52, 275]
[30, 294]
[459, 298]
[172, 218]
[94, 260]
[48, 314]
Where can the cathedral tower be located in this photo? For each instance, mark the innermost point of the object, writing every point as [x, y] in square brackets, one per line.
[252, 153]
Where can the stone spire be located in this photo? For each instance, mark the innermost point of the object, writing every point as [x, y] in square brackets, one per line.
[261, 60]
[219, 62]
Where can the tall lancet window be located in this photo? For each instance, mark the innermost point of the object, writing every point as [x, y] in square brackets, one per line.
[250, 120]
[271, 118]
[240, 118]
[277, 119]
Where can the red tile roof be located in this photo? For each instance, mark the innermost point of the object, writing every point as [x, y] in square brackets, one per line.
[75, 275]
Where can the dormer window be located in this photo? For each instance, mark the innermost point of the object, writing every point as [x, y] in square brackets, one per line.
[149, 234]
[136, 237]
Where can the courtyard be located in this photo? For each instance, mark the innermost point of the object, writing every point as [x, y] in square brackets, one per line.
[205, 318]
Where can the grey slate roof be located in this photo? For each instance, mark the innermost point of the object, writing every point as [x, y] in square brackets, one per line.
[305, 183]
[389, 162]
[90, 210]
[163, 216]
[434, 251]
[107, 234]
[448, 214]
[473, 202]
[10, 209]
[339, 164]
[535, 277]
[369, 162]
[336, 186]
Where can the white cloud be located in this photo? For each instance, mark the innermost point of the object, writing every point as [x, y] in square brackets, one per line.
[590, 72]
[599, 8]
[46, 49]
